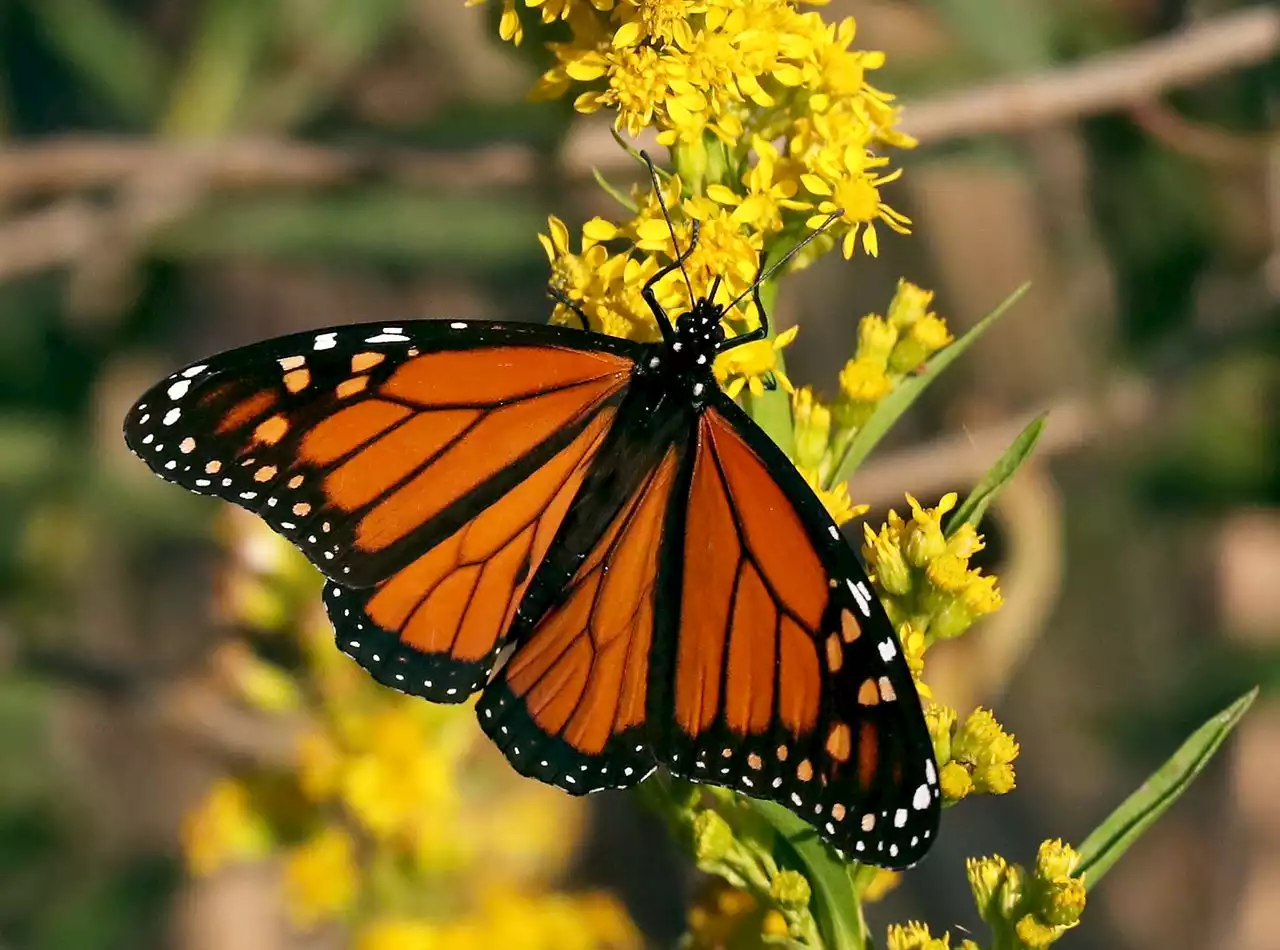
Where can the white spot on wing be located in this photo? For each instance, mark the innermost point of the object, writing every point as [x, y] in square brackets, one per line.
[862, 601]
[191, 371]
[900, 818]
[929, 773]
[458, 326]
[172, 416]
[388, 338]
[326, 341]
[920, 800]
[179, 389]
[887, 650]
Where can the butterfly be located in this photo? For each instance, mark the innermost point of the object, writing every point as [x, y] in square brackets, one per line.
[587, 531]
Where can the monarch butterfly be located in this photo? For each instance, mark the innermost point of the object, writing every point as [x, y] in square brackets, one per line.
[661, 582]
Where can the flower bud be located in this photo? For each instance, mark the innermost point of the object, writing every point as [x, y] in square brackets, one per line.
[1055, 860]
[884, 558]
[876, 339]
[812, 429]
[954, 781]
[986, 878]
[909, 304]
[712, 837]
[790, 889]
[1062, 902]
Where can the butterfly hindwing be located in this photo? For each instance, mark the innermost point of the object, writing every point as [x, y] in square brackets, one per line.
[571, 705]
[435, 628]
[367, 445]
[787, 680]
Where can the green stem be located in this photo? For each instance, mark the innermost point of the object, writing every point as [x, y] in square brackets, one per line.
[210, 90]
[772, 409]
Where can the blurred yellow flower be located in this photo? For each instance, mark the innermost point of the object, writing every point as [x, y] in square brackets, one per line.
[320, 877]
[224, 828]
[986, 751]
[751, 364]
[914, 935]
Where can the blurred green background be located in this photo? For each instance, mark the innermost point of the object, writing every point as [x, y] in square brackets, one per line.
[181, 176]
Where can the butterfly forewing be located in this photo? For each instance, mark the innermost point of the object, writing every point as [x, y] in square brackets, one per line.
[787, 681]
[368, 445]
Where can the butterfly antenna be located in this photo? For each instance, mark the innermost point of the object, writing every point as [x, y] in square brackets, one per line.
[675, 242]
[795, 249]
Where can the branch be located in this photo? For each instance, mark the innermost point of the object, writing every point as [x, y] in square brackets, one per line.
[68, 163]
[1101, 84]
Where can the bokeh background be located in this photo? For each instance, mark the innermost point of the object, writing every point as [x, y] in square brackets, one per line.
[182, 176]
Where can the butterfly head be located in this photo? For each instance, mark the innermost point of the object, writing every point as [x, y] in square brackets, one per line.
[699, 332]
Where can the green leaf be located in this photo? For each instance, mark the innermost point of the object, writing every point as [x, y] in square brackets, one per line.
[909, 390]
[975, 506]
[1123, 826]
[114, 58]
[834, 905]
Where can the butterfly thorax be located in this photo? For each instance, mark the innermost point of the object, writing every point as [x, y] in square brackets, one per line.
[685, 359]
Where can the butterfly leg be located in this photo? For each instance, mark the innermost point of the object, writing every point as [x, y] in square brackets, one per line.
[664, 322]
[558, 295]
[760, 332]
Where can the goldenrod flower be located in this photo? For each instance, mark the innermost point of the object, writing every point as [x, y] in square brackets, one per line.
[884, 882]
[997, 887]
[913, 643]
[224, 828]
[712, 837]
[919, 342]
[986, 751]
[398, 934]
[320, 877]
[770, 190]
[320, 764]
[811, 430]
[835, 499]
[750, 364]
[923, 540]
[790, 889]
[910, 303]
[940, 720]
[883, 551]
[774, 926]
[914, 935]
[876, 340]
[1055, 859]
[856, 194]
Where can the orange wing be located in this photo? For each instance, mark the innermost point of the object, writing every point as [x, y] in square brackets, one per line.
[788, 682]
[366, 446]
[570, 706]
[436, 627]
[426, 468]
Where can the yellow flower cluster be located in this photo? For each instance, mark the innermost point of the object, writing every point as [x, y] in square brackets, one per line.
[890, 348]
[925, 576]
[914, 935]
[751, 897]
[398, 817]
[930, 593]
[975, 757]
[1030, 910]
[721, 81]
